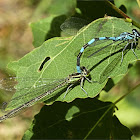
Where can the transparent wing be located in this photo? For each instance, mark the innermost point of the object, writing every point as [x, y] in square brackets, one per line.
[9, 84]
[72, 25]
[109, 68]
[103, 48]
[30, 90]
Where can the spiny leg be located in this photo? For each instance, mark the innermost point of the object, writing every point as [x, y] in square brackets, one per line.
[89, 80]
[67, 90]
[123, 51]
[133, 50]
[81, 85]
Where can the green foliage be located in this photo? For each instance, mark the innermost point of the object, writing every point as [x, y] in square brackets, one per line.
[129, 6]
[92, 118]
[61, 52]
[76, 120]
[50, 27]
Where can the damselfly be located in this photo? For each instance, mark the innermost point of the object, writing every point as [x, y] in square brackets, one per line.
[108, 26]
[68, 81]
[130, 38]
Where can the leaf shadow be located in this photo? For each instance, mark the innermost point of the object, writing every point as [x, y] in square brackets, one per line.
[55, 30]
[75, 120]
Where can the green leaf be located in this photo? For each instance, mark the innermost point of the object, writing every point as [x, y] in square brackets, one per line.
[50, 26]
[119, 131]
[128, 7]
[63, 62]
[29, 133]
[46, 28]
[61, 7]
[76, 119]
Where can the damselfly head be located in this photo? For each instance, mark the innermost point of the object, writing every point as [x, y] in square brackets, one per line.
[136, 33]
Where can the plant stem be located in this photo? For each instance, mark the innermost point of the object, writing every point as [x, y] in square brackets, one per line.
[128, 19]
[122, 97]
[111, 106]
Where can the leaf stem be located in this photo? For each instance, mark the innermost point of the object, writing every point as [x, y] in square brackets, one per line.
[128, 19]
[111, 106]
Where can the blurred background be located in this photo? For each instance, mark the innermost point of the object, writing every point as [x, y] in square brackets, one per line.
[16, 41]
